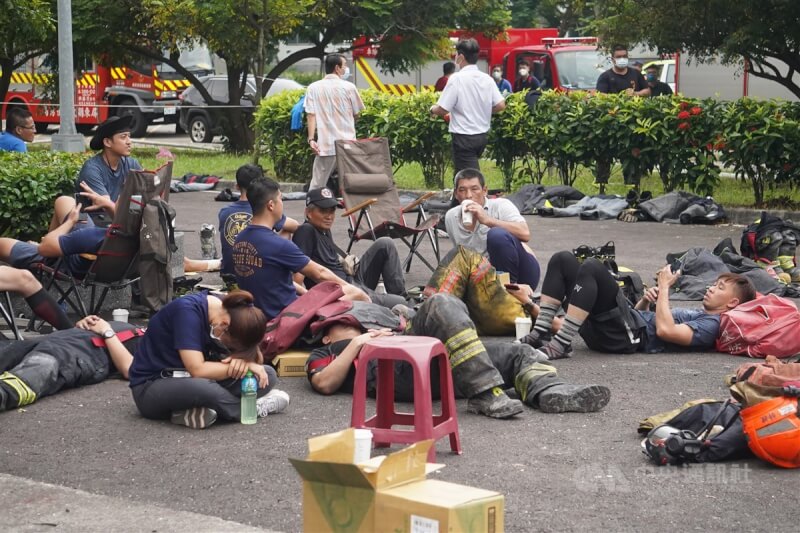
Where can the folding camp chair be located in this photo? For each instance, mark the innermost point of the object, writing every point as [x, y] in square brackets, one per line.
[114, 265]
[7, 312]
[370, 196]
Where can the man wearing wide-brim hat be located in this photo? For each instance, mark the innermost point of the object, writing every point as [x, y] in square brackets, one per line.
[101, 178]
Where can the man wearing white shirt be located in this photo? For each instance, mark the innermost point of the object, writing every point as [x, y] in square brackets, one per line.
[470, 98]
[331, 106]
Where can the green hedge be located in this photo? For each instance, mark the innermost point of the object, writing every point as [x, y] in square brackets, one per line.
[29, 184]
[687, 140]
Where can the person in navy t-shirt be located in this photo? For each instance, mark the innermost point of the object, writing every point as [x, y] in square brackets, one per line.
[236, 216]
[264, 262]
[188, 365]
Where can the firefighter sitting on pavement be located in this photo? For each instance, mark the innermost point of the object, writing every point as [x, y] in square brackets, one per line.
[480, 370]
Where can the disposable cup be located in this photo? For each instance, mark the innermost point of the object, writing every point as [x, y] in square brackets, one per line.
[363, 445]
[120, 315]
[466, 216]
[523, 325]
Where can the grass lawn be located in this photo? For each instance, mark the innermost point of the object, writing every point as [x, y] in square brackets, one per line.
[730, 192]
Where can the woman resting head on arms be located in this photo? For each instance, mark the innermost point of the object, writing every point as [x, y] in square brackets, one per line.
[213, 342]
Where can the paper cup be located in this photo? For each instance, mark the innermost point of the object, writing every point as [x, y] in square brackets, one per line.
[363, 448]
[523, 325]
[467, 217]
[120, 315]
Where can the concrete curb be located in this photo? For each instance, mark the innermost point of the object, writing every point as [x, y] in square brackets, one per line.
[33, 506]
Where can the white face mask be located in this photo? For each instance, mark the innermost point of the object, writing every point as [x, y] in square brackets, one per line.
[621, 62]
[346, 74]
[523, 72]
[497, 75]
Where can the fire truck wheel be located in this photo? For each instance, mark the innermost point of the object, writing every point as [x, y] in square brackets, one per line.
[139, 124]
[200, 130]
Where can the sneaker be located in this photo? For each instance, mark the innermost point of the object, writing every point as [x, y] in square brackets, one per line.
[555, 350]
[535, 339]
[276, 401]
[573, 398]
[494, 403]
[195, 418]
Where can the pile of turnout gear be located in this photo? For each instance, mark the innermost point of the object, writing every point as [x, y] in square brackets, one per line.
[563, 201]
[762, 418]
[767, 258]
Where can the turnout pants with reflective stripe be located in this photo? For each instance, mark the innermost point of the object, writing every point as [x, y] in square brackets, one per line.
[479, 366]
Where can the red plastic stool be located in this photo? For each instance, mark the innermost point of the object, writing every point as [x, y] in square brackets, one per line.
[418, 352]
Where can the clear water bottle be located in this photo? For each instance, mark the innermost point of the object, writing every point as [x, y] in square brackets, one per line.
[249, 393]
[208, 248]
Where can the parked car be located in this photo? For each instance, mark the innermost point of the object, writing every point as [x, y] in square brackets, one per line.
[202, 122]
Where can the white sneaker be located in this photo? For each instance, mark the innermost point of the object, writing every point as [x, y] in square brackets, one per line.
[276, 401]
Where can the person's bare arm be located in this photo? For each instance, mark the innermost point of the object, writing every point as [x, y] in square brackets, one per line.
[499, 106]
[650, 296]
[119, 355]
[98, 201]
[330, 379]
[666, 328]
[439, 111]
[643, 92]
[519, 230]
[312, 132]
[319, 273]
[50, 247]
[198, 367]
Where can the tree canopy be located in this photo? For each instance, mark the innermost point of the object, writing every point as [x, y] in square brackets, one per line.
[763, 33]
[27, 29]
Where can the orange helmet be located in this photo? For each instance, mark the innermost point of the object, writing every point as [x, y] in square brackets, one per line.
[773, 431]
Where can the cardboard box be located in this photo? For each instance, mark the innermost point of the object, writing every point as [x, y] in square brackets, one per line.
[291, 364]
[387, 493]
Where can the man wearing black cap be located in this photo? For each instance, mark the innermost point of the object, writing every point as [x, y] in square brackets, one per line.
[100, 180]
[315, 240]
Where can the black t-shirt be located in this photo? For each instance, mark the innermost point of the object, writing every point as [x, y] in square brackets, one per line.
[319, 246]
[322, 357]
[610, 82]
[660, 89]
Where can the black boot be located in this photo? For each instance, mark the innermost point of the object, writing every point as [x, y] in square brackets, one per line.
[573, 398]
[494, 403]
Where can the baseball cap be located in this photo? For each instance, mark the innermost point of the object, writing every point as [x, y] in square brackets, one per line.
[321, 198]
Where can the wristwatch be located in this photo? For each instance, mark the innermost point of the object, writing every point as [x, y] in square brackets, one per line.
[107, 334]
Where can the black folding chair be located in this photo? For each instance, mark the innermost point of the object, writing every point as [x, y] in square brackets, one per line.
[7, 312]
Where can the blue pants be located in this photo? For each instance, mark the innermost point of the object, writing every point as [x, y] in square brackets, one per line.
[506, 254]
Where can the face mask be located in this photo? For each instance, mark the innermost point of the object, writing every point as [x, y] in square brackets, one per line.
[346, 74]
[497, 75]
[523, 72]
[651, 77]
[455, 60]
[217, 341]
[621, 62]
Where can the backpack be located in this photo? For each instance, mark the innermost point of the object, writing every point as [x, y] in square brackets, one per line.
[765, 326]
[761, 240]
[729, 444]
[284, 330]
[156, 246]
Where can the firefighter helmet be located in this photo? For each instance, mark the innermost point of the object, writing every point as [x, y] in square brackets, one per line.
[773, 430]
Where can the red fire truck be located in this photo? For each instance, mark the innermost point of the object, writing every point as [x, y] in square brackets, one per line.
[148, 93]
[566, 63]
[559, 63]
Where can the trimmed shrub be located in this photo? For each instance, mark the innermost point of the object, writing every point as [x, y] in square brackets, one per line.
[289, 151]
[29, 184]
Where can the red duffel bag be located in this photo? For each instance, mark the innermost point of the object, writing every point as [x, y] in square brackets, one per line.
[768, 325]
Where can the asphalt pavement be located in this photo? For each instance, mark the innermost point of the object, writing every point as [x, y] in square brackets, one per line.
[558, 472]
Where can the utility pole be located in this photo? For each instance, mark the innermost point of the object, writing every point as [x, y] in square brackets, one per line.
[67, 139]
